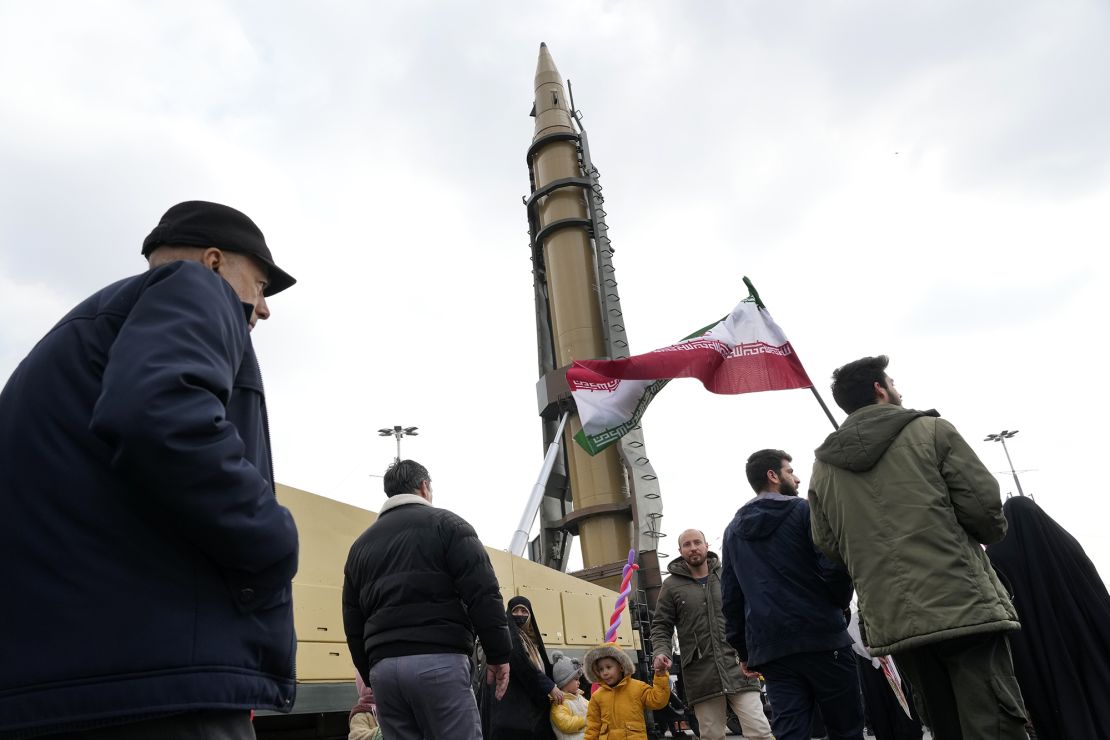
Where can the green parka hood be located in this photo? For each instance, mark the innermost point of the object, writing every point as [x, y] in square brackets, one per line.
[863, 439]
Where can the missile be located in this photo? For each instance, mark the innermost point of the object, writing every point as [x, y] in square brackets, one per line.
[573, 304]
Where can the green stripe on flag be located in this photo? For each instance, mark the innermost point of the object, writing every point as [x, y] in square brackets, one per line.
[598, 442]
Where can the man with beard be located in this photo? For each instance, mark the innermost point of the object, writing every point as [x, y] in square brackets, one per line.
[784, 605]
[901, 498]
[690, 600]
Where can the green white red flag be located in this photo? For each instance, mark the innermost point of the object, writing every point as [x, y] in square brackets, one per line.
[745, 352]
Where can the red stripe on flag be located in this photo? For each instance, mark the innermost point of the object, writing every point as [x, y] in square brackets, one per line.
[748, 369]
[753, 373]
[581, 378]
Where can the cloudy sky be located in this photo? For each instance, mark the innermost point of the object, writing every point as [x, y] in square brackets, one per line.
[930, 181]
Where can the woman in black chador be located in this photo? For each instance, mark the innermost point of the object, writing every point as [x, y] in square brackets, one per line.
[525, 711]
[1062, 651]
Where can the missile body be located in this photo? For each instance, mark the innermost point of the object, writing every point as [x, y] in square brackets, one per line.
[575, 308]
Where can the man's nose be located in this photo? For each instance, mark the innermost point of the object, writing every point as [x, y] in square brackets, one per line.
[261, 309]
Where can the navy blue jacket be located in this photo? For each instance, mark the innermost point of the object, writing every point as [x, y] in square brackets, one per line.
[780, 595]
[147, 565]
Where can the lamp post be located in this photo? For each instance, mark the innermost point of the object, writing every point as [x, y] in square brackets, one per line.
[398, 432]
[1002, 437]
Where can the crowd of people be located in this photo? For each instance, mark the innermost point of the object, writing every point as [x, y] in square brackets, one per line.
[151, 563]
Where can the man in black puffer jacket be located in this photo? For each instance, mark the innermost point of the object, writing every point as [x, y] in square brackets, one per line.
[417, 586]
[147, 562]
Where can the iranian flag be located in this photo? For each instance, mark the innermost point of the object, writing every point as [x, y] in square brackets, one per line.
[744, 352]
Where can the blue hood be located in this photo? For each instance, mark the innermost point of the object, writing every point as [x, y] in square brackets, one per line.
[760, 518]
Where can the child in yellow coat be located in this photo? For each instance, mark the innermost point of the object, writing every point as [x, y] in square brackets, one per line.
[616, 710]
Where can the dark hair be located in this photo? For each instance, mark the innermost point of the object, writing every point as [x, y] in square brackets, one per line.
[853, 385]
[405, 476]
[760, 462]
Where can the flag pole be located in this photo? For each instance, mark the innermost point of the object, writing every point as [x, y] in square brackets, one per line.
[520, 537]
[753, 294]
[824, 407]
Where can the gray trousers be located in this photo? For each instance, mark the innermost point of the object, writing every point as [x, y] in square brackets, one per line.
[425, 697]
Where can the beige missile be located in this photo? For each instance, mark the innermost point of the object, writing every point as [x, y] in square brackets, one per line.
[575, 315]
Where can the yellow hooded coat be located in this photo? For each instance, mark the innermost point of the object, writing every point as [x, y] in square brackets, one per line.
[617, 712]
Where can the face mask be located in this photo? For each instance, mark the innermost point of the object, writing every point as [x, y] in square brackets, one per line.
[520, 619]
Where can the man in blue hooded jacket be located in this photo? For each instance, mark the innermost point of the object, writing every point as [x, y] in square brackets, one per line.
[148, 564]
[784, 606]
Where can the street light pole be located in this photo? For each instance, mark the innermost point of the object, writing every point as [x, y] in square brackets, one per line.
[398, 432]
[1002, 437]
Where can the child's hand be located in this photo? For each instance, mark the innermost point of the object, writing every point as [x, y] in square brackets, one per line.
[662, 665]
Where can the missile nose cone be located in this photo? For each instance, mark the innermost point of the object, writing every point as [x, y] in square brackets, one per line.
[545, 67]
[550, 107]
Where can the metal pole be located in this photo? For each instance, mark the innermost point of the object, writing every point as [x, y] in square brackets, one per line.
[520, 537]
[1012, 471]
[824, 407]
[398, 436]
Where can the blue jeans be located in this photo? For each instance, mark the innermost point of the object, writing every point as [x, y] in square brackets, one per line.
[425, 696]
[798, 684]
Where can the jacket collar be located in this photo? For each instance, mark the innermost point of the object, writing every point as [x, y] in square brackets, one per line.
[402, 499]
[773, 496]
[620, 683]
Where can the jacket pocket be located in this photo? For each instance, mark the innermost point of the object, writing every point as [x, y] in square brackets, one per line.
[248, 596]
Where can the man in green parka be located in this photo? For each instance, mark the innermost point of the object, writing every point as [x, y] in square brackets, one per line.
[900, 498]
[690, 600]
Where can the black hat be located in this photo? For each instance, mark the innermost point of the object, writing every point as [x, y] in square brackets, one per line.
[198, 223]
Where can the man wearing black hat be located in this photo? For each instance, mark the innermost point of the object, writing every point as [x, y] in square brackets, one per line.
[148, 563]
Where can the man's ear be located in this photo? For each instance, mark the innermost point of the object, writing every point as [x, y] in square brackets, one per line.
[212, 258]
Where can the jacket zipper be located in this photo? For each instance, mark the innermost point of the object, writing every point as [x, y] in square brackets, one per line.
[265, 423]
[273, 487]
